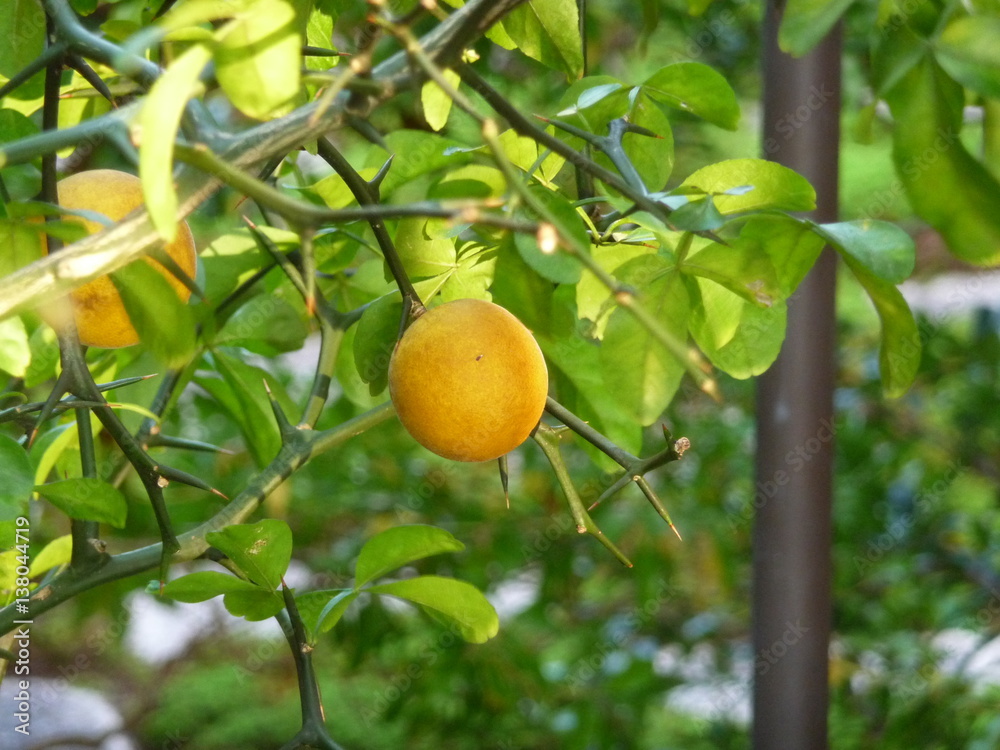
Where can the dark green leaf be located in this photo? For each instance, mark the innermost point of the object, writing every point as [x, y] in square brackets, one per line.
[205, 585]
[652, 157]
[261, 551]
[806, 22]
[548, 31]
[87, 499]
[398, 546]
[267, 324]
[18, 479]
[884, 249]
[375, 340]
[697, 89]
[460, 604]
[556, 264]
[899, 355]
[948, 187]
[165, 324]
[22, 29]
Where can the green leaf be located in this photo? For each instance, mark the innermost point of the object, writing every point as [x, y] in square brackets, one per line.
[637, 369]
[417, 153]
[319, 33]
[652, 157]
[165, 324]
[21, 243]
[398, 546]
[261, 551]
[741, 267]
[375, 341]
[524, 153]
[806, 22]
[322, 610]
[18, 479]
[774, 186]
[436, 102]
[378, 329]
[548, 31]
[424, 247]
[22, 28]
[899, 354]
[697, 216]
[592, 102]
[458, 603]
[157, 125]
[55, 554]
[267, 324]
[969, 53]
[740, 338]
[86, 499]
[697, 89]
[947, 187]
[884, 249]
[205, 585]
[15, 355]
[899, 48]
[556, 264]
[254, 605]
[243, 395]
[791, 245]
[258, 60]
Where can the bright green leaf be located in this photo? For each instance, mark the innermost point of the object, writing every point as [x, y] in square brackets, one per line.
[436, 102]
[86, 499]
[740, 338]
[697, 89]
[641, 373]
[791, 245]
[258, 60]
[157, 124]
[458, 603]
[968, 51]
[398, 546]
[205, 585]
[548, 31]
[55, 554]
[774, 186]
[15, 355]
[743, 268]
[18, 479]
[424, 248]
[254, 605]
[652, 157]
[261, 551]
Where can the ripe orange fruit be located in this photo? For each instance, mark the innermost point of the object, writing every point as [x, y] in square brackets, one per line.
[101, 318]
[468, 380]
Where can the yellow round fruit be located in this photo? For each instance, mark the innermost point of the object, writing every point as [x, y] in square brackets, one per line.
[468, 380]
[101, 318]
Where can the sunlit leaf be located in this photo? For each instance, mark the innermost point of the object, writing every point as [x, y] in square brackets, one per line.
[398, 546]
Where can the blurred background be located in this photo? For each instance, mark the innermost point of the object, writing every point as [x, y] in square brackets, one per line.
[590, 654]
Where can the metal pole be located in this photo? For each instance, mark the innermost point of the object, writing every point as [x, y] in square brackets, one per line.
[792, 528]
